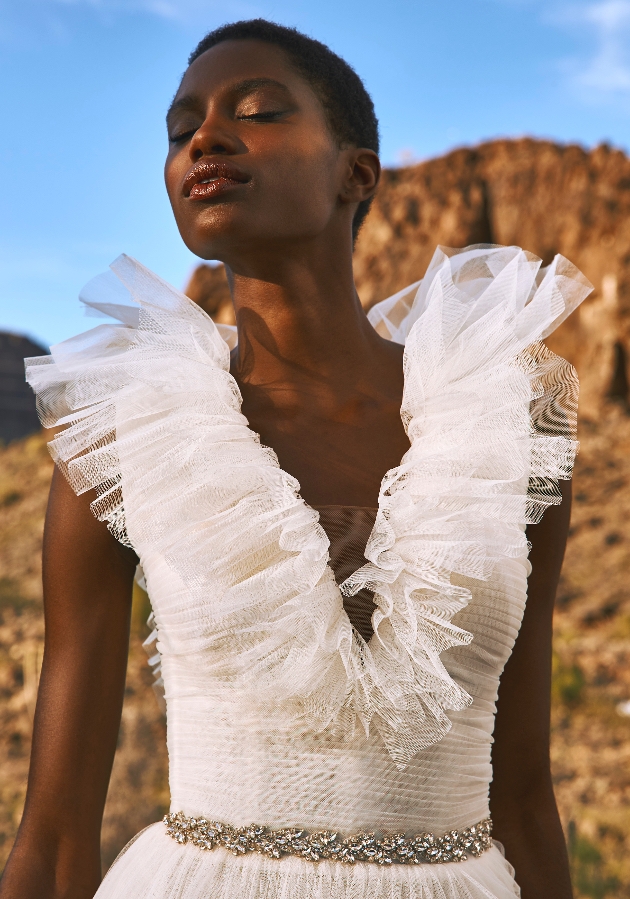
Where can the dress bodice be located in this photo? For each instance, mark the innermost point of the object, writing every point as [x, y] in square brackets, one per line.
[280, 711]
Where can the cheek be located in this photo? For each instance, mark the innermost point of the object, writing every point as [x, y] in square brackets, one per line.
[303, 179]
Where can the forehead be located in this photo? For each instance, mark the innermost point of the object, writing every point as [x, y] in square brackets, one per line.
[236, 61]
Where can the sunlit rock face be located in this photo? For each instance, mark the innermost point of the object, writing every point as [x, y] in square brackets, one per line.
[208, 287]
[18, 416]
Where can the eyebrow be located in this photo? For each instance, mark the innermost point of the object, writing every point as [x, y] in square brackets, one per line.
[189, 102]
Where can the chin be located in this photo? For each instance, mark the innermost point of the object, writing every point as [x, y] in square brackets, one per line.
[231, 244]
[216, 230]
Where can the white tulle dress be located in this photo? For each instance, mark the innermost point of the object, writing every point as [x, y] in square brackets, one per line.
[279, 713]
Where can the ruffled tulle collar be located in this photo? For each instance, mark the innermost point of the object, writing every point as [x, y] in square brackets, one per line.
[154, 424]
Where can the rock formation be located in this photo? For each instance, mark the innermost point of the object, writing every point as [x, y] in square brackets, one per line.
[18, 416]
[208, 287]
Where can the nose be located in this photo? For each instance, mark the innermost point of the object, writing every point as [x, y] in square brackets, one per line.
[214, 138]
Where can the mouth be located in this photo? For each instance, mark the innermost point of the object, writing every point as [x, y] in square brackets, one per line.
[207, 179]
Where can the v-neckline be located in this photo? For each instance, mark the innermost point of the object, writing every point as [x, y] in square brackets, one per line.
[314, 509]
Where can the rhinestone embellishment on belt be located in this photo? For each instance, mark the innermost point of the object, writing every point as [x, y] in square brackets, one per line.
[396, 848]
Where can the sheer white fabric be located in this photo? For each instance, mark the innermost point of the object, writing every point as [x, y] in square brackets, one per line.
[279, 712]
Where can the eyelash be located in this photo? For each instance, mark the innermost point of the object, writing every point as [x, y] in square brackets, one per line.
[265, 116]
[262, 115]
[180, 138]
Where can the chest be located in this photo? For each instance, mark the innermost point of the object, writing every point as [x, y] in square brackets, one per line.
[339, 452]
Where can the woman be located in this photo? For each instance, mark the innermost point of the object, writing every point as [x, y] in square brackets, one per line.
[293, 702]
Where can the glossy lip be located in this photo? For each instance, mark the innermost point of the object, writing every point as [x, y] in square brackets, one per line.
[207, 179]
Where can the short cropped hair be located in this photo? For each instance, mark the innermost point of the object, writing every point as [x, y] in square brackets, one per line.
[347, 104]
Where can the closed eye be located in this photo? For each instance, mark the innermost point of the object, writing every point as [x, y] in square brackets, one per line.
[252, 117]
[262, 116]
[180, 138]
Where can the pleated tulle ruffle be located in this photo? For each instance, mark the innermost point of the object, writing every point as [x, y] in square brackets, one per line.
[153, 423]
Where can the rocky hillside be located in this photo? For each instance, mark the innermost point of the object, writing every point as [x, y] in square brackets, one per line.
[548, 199]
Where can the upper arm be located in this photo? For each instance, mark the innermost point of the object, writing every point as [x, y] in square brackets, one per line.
[87, 573]
[88, 580]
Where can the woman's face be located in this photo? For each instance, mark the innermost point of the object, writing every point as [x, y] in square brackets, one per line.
[252, 162]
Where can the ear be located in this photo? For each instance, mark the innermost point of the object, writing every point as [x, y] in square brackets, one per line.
[363, 172]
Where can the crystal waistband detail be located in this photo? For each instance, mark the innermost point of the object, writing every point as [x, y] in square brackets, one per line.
[388, 849]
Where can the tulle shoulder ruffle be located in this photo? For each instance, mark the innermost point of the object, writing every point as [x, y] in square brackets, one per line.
[153, 424]
[85, 382]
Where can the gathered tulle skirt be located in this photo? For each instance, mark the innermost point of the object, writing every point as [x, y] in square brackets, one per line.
[154, 866]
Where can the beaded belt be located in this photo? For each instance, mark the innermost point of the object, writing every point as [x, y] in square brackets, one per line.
[396, 848]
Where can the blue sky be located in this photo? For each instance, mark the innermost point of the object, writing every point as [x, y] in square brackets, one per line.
[86, 84]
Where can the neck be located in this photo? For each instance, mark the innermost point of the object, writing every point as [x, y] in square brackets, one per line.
[299, 318]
